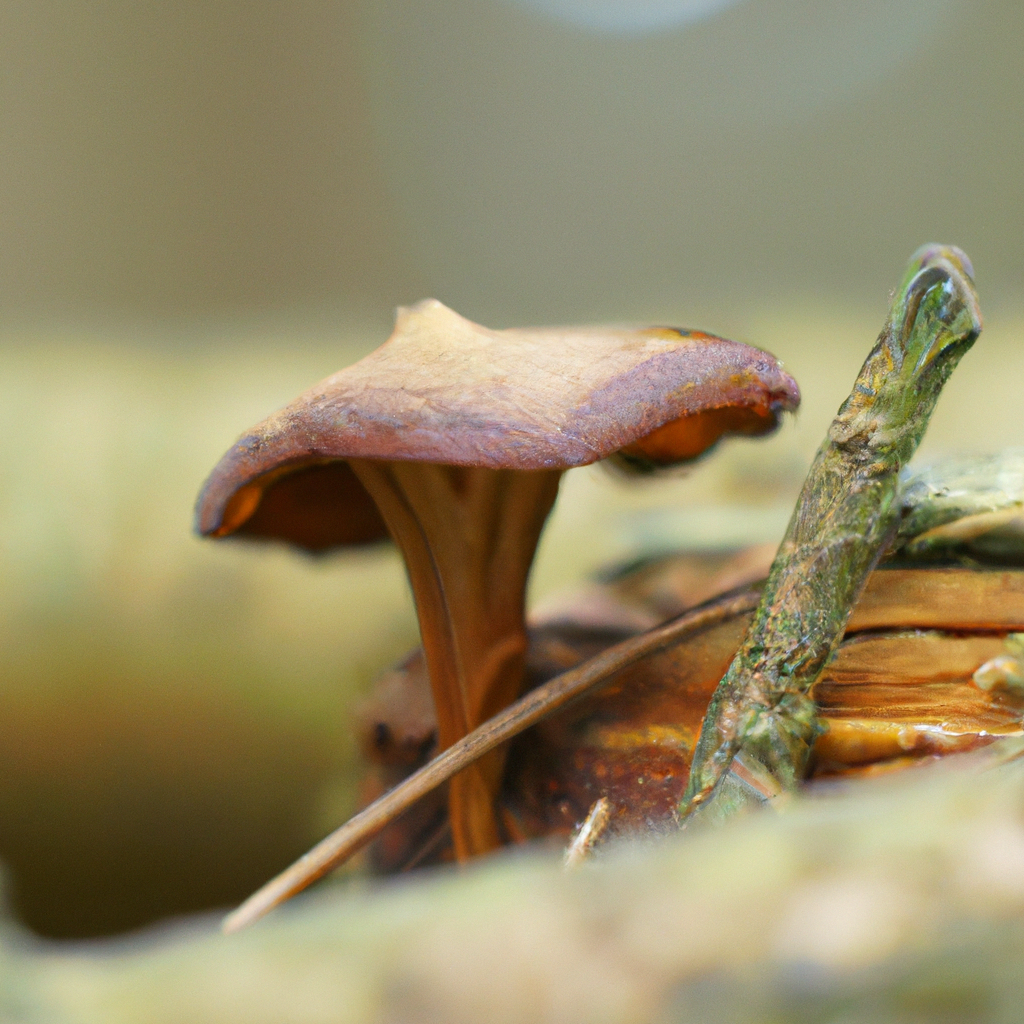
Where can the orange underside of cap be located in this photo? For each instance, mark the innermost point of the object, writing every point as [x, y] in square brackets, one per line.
[318, 505]
[321, 504]
[689, 436]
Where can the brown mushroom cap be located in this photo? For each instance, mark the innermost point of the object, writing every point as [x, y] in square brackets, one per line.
[445, 390]
[455, 437]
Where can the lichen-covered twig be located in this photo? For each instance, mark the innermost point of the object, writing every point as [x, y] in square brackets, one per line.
[845, 517]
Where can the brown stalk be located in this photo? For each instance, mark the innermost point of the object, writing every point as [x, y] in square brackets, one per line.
[468, 535]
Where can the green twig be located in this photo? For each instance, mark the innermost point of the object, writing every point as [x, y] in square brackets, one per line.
[846, 515]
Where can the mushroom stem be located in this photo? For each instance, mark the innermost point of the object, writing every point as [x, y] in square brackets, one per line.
[468, 535]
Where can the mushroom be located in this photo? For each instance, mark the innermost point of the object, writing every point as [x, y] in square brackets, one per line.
[452, 438]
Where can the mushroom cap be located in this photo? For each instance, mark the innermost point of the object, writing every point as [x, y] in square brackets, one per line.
[445, 390]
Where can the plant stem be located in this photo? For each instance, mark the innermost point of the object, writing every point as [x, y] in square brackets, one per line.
[845, 517]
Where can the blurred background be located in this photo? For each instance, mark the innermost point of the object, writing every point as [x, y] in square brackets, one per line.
[205, 208]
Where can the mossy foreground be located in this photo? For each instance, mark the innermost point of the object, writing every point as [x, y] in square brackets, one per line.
[897, 900]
